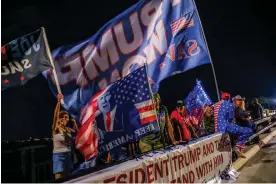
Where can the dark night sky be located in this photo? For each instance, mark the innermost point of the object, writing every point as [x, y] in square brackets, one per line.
[240, 34]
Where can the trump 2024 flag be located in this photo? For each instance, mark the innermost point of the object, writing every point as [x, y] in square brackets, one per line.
[23, 59]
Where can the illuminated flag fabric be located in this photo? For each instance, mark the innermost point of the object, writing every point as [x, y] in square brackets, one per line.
[23, 59]
[110, 114]
[196, 100]
[167, 35]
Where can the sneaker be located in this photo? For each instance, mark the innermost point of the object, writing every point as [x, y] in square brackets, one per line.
[239, 153]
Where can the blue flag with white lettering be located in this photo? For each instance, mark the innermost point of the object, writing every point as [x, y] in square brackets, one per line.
[166, 35]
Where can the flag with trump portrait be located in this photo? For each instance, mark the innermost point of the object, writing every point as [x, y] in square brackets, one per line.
[121, 113]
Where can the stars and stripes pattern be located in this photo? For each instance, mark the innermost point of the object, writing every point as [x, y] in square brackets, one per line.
[216, 111]
[181, 24]
[196, 100]
[223, 115]
[134, 88]
[87, 139]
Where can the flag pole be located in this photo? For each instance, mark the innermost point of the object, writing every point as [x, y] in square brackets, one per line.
[52, 62]
[158, 123]
[212, 64]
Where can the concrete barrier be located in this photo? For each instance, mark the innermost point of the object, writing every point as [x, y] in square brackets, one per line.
[252, 151]
[262, 131]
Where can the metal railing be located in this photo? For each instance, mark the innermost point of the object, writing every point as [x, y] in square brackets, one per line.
[262, 120]
[26, 165]
[43, 172]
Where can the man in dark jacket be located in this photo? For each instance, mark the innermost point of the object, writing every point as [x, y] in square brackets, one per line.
[243, 117]
[256, 109]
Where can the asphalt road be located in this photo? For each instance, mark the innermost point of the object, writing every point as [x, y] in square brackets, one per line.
[261, 168]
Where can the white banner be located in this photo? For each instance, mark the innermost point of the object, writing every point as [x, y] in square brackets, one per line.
[206, 160]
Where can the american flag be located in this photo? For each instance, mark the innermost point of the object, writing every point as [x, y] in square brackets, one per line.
[181, 24]
[134, 88]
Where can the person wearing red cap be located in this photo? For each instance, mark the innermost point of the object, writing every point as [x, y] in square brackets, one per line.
[224, 115]
[225, 96]
[62, 141]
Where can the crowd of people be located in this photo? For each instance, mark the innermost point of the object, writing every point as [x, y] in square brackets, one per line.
[226, 116]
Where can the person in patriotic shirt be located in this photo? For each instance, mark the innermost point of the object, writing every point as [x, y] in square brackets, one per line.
[224, 116]
[154, 140]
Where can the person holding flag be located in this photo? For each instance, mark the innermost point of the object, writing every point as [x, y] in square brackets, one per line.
[62, 141]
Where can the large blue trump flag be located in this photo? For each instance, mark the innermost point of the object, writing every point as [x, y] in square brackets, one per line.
[166, 35]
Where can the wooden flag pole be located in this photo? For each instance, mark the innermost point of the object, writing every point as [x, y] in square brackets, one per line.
[52, 62]
[212, 65]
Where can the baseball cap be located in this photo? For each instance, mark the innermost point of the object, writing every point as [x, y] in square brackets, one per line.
[225, 96]
[238, 97]
[179, 103]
